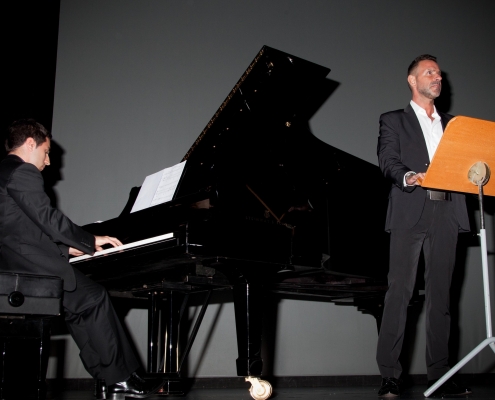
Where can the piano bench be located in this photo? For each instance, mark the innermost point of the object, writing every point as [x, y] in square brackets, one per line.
[27, 305]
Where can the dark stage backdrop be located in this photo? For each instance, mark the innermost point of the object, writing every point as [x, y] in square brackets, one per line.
[29, 54]
[136, 83]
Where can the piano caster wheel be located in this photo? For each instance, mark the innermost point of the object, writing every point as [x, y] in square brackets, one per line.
[260, 389]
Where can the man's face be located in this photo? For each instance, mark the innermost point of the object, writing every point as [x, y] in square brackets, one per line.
[39, 156]
[428, 79]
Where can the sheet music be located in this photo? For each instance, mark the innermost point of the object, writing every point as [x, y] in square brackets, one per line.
[159, 187]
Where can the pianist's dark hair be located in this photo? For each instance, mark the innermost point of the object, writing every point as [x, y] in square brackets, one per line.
[20, 130]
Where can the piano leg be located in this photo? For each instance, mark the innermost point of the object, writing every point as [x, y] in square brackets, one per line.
[165, 311]
[154, 303]
[164, 314]
[248, 303]
[248, 320]
[163, 343]
[172, 318]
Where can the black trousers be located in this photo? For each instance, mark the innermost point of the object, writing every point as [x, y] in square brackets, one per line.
[436, 233]
[96, 329]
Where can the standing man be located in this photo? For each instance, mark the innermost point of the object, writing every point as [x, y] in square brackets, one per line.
[418, 219]
[36, 238]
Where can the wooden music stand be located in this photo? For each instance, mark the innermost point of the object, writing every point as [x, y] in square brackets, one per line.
[462, 163]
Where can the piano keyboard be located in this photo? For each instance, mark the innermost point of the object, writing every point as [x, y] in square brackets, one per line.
[127, 246]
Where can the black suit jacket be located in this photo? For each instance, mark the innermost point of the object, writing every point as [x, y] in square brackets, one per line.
[402, 148]
[34, 236]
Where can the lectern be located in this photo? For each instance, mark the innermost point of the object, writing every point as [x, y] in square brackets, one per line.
[462, 163]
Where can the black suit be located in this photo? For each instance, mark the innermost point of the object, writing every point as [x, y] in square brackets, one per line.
[35, 239]
[415, 223]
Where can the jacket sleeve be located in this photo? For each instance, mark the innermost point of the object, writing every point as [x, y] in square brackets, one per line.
[389, 152]
[26, 187]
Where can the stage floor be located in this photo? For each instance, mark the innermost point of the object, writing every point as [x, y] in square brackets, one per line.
[481, 392]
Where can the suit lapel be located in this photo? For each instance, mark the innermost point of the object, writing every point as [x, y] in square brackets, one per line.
[415, 129]
[444, 118]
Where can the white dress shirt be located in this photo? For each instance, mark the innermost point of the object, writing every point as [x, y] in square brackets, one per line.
[432, 131]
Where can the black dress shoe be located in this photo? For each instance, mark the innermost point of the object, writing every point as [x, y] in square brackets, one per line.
[134, 387]
[449, 389]
[100, 389]
[389, 388]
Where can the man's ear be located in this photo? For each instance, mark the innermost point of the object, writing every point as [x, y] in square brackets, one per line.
[30, 144]
[411, 79]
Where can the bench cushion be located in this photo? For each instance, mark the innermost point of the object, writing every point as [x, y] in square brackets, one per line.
[30, 294]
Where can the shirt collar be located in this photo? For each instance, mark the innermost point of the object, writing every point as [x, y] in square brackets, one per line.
[421, 111]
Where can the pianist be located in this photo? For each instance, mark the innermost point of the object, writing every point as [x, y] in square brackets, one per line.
[37, 239]
[418, 219]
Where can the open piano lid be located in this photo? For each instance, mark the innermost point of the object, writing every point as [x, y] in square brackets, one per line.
[274, 82]
[259, 142]
[246, 136]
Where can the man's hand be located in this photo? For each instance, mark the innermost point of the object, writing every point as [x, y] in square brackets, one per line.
[415, 179]
[103, 240]
[75, 252]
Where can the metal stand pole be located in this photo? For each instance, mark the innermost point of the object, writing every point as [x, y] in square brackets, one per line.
[490, 340]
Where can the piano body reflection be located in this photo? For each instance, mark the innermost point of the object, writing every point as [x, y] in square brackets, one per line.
[262, 205]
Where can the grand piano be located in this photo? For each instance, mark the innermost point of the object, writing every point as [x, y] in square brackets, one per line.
[262, 205]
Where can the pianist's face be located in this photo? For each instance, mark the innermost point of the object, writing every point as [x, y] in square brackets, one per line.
[39, 156]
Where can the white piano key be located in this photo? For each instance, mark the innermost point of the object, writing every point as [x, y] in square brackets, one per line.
[124, 247]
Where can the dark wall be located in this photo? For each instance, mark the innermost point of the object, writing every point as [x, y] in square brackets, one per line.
[30, 34]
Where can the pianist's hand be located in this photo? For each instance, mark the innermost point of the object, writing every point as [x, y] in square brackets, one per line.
[103, 240]
[74, 252]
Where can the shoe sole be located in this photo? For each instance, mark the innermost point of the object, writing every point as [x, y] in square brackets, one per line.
[123, 396]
